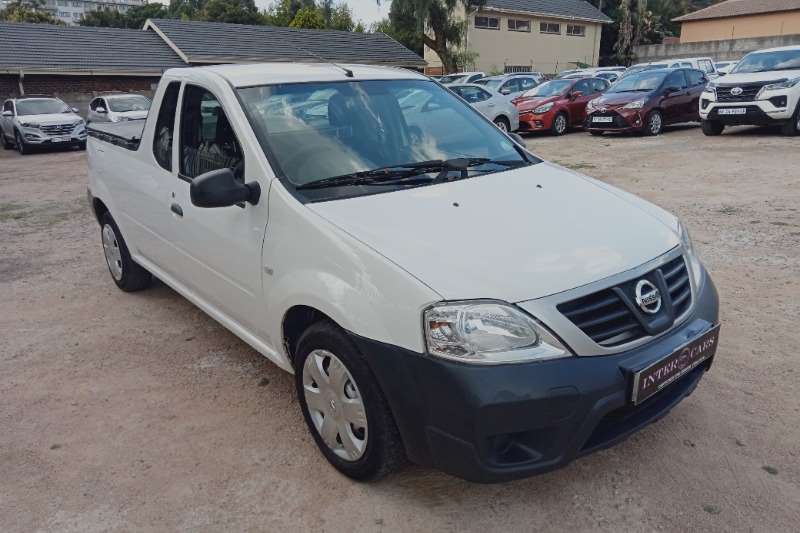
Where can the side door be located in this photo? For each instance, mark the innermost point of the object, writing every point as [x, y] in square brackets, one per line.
[482, 100]
[510, 88]
[580, 94]
[92, 115]
[220, 247]
[6, 120]
[673, 102]
[697, 82]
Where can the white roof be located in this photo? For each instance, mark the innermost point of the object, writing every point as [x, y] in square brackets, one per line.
[250, 74]
[778, 49]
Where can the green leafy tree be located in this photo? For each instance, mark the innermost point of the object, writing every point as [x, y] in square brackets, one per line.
[309, 18]
[28, 11]
[136, 16]
[340, 18]
[104, 17]
[232, 11]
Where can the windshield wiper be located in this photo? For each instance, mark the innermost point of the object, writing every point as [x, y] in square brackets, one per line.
[400, 174]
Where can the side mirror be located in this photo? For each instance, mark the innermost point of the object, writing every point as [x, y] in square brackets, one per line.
[670, 90]
[575, 94]
[518, 138]
[73, 109]
[220, 188]
[8, 113]
[100, 110]
[505, 90]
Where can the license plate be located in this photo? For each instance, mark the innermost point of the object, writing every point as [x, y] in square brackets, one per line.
[605, 120]
[731, 111]
[60, 139]
[666, 371]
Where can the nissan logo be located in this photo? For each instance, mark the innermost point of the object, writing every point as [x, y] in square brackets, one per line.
[648, 297]
[736, 91]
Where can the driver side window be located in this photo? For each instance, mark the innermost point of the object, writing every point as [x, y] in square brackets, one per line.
[583, 86]
[676, 79]
[207, 140]
[8, 106]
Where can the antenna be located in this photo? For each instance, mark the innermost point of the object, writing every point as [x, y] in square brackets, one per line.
[347, 71]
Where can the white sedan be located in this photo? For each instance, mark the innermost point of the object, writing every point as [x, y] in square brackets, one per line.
[494, 105]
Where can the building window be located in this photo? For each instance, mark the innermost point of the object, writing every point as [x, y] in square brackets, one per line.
[510, 69]
[519, 25]
[487, 23]
[550, 27]
[576, 30]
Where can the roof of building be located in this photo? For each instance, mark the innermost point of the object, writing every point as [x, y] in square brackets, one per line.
[79, 49]
[736, 8]
[217, 42]
[564, 9]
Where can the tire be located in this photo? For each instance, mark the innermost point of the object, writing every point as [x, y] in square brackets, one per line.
[560, 124]
[792, 128]
[82, 146]
[502, 124]
[712, 128]
[374, 449]
[126, 273]
[654, 123]
[22, 148]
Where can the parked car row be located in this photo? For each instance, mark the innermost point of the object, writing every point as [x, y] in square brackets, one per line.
[46, 122]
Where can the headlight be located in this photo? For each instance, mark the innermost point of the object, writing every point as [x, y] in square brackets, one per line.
[488, 332]
[636, 104]
[787, 84]
[711, 87]
[695, 267]
[29, 125]
[543, 108]
[592, 104]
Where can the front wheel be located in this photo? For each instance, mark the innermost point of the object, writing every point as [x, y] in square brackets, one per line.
[126, 273]
[343, 406]
[502, 124]
[559, 126]
[654, 123]
[22, 148]
[712, 128]
[792, 128]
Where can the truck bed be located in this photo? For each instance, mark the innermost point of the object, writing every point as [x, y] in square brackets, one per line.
[126, 134]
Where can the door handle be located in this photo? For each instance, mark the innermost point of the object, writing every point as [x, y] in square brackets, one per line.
[175, 208]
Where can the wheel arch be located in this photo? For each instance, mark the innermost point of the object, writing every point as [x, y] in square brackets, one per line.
[296, 320]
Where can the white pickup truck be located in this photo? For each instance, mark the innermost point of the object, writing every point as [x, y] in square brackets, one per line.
[441, 294]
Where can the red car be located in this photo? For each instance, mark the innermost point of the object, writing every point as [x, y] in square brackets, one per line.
[557, 105]
[647, 101]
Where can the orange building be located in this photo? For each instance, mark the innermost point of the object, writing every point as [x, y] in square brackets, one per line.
[739, 19]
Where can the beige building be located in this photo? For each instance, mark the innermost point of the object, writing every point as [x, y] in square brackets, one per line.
[740, 19]
[523, 35]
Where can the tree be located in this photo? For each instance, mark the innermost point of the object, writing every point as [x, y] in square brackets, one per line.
[136, 16]
[309, 18]
[28, 11]
[232, 11]
[340, 18]
[104, 17]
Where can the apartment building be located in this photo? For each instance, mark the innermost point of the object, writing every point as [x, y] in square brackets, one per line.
[71, 11]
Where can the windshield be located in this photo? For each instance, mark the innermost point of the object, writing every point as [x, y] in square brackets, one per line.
[549, 88]
[764, 61]
[315, 131]
[492, 83]
[639, 82]
[41, 106]
[123, 104]
[451, 78]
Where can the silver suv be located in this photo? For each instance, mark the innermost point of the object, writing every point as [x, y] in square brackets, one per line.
[40, 121]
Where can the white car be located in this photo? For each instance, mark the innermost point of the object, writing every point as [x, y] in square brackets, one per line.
[461, 77]
[118, 107]
[494, 105]
[440, 294]
[27, 122]
[763, 89]
[725, 67]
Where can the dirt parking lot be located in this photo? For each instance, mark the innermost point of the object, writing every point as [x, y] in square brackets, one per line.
[138, 412]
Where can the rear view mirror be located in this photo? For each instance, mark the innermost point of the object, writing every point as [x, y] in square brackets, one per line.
[100, 110]
[220, 188]
[8, 113]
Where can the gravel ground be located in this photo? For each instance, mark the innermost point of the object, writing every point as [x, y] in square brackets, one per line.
[138, 412]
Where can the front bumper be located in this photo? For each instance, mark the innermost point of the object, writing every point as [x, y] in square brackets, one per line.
[621, 120]
[534, 122]
[777, 109]
[497, 423]
[38, 137]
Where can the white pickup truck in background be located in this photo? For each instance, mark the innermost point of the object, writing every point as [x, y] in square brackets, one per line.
[440, 293]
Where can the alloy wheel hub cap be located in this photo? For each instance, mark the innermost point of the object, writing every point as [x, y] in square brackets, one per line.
[335, 405]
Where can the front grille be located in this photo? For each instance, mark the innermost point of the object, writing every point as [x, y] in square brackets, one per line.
[749, 93]
[610, 317]
[58, 129]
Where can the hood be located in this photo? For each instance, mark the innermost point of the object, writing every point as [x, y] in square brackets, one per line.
[133, 115]
[50, 118]
[757, 77]
[529, 104]
[514, 235]
[615, 99]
